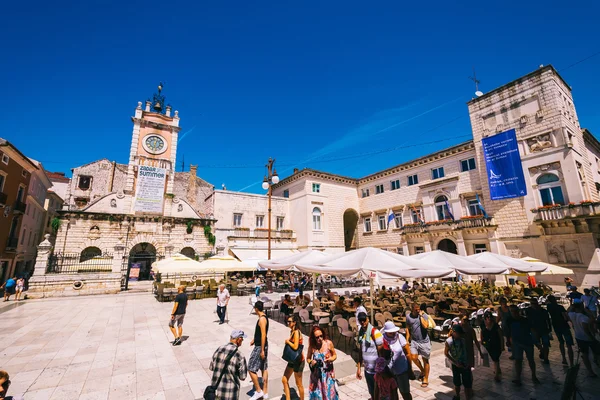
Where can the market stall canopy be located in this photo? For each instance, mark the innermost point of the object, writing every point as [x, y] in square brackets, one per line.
[551, 269]
[369, 260]
[253, 262]
[177, 264]
[514, 264]
[309, 257]
[223, 264]
[460, 264]
[244, 254]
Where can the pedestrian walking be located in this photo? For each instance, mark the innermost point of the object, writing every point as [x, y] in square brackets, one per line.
[297, 366]
[540, 328]
[491, 339]
[229, 369]
[420, 344]
[574, 294]
[386, 387]
[455, 351]
[321, 355]
[370, 341]
[258, 360]
[9, 288]
[589, 300]
[20, 288]
[222, 302]
[178, 314]
[399, 357]
[522, 342]
[560, 324]
[470, 338]
[582, 325]
[502, 319]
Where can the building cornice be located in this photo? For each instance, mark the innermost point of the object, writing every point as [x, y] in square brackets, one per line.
[439, 182]
[591, 139]
[311, 173]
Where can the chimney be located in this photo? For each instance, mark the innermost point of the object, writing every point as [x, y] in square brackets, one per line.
[295, 170]
[191, 189]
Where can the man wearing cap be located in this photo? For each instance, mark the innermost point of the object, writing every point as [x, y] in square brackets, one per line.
[258, 357]
[399, 363]
[420, 344]
[370, 342]
[229, 364]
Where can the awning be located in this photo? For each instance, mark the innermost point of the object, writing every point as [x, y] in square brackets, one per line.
[261, 254]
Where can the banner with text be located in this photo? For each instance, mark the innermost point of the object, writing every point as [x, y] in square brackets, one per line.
[150, 190]
[503, 164]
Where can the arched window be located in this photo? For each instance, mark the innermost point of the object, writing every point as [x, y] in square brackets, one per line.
[89, 252]
[441, 208]
[316, 214]
[188, 252]
[550, 190]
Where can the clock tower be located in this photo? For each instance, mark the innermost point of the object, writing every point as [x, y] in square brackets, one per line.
[153, 142]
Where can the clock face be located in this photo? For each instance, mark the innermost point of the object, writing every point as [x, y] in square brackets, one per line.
[154, 144]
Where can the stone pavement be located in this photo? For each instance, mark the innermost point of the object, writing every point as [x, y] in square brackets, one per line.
[118, 347]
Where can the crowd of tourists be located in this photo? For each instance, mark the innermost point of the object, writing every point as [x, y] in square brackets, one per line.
[388, 353]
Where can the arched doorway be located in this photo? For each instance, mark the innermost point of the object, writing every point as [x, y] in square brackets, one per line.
[189, 252]
[141, 256]
[448, 246]
[88, 253]
[350, 225]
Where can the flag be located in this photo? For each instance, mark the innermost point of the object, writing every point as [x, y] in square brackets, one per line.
[481, 206]
[448, 210]
[418, 214]
[391, 217]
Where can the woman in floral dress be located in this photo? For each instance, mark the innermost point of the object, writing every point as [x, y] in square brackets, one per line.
[321, 355]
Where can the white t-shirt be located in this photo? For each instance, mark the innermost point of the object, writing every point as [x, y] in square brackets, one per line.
[578, 320]
[399, 363]
[222, 297]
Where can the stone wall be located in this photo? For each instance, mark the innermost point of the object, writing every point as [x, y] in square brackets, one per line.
[107, 177]
[73, 285]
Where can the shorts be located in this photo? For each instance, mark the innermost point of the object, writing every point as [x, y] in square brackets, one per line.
[543, 338]
[10, 290]
[585, 345]
[403, 382]
[564, 336]
[296, 366]
[422, 349]
[255, 363]
[177, 318]
[20, 289]
[518, 350]
[462, 377]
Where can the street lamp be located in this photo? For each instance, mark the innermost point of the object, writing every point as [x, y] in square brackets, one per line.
[270, 179]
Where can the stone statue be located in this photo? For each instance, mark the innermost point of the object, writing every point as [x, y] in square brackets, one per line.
[113, 203]
[539, 143]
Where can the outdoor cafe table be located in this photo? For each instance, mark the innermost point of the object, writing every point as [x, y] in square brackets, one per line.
[320, 314]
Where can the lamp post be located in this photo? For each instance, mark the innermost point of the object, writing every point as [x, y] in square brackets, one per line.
[270, 179]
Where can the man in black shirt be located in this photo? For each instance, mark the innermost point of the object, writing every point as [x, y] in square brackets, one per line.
[178, 315]
[540, 328]
[560, 323]
[574, 294]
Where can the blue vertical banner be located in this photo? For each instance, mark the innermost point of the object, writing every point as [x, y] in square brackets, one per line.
[503, 164]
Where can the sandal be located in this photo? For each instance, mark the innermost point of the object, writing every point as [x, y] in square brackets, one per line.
[424, 384]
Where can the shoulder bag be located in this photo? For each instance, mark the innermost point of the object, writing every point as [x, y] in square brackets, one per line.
[210, 393]
[290, 355]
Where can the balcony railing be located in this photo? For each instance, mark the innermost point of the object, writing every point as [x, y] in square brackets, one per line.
[19, 206]
[550, 213]
[476, 222]
[258, 233]
[12, 243]
[3, 198]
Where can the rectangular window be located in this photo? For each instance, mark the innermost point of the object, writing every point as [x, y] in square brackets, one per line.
[286, 193]
[2, 180]
[480, 248]
[20, 193]
[317, 219]
[395, 184]
[467, 165]
[419, 250]
[260, 219]
[552, 195]
[413, 180]
[379, 189]
[237, 220]
[85, 182]
[280, 223]
[473, 205]
[365, 193]
[316, 188]
[400, 250]
[398, 219]
[5, 159]
[437, 173]
[24, 174]
[382, 222]
[367, 224]
[415, 215]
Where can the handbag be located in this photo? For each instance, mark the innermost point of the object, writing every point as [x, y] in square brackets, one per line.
[210, 393]
[290, 355]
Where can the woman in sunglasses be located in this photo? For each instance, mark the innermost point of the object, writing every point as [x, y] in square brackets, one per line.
[297, 367]
[321, 355]
[491, 338]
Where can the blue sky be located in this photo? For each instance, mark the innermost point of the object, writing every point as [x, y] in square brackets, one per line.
[310, 83]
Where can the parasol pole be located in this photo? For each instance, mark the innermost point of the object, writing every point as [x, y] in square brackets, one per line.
[313, 286]
[371, 294]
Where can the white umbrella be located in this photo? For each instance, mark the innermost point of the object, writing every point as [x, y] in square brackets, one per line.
[514, 264]
[305, 257]
[461, 264]
[226, 264]
[178, 263]
[551, 269]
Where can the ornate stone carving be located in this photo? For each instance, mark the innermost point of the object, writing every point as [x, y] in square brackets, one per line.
[113, 203]
[120, 195]
[94, 233]
[180, 208]
[539, 143]
[564, 252]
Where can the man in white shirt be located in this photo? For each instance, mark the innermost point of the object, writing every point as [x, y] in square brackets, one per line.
[584, 335]
[359, 307]
[222, 301]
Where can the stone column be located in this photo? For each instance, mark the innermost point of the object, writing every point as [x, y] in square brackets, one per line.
[462, 249]
[220, 248]
[117, 263]
[405, 249]
[41, 262]
[427, 245]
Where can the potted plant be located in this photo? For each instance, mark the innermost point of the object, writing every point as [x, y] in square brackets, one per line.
[287, 233]
[190, 227]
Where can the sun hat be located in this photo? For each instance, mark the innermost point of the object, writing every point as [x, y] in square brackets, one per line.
[389, 327]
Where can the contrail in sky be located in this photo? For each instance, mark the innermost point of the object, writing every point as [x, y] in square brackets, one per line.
[186, 133]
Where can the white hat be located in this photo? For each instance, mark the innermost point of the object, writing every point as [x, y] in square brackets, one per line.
[389, 327]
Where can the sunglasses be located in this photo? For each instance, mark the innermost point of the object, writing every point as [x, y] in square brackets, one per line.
[319, 337]
[290, 321]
